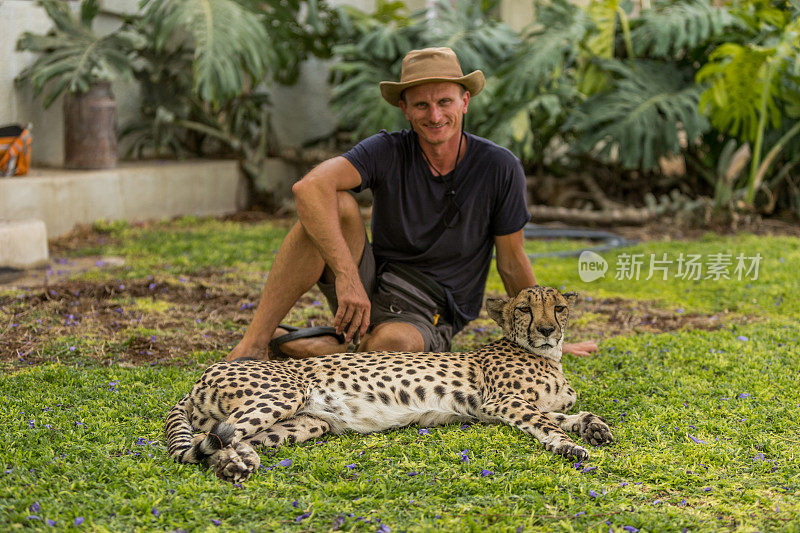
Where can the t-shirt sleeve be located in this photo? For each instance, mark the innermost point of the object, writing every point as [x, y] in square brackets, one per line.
[511, 209]
[370, 156]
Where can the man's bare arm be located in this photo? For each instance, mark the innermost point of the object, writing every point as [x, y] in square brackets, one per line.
[513, 264]
[317, 207]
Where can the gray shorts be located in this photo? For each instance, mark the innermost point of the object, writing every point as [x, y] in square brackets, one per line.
[389, 306]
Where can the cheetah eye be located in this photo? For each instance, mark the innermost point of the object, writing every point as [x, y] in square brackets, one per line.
[524, 309]
[560, 308]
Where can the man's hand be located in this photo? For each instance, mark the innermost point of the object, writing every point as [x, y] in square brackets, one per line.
[582, 349]
[354, 306]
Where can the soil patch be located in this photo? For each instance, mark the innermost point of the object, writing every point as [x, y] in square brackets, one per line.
[155, 321]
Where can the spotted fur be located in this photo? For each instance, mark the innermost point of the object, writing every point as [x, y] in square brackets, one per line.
[517, 380]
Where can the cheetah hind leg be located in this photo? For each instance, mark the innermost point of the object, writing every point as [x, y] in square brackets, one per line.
[232, 460]
[297, 429]
[589, 426]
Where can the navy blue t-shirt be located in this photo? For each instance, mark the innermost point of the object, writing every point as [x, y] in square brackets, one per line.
[409, 204]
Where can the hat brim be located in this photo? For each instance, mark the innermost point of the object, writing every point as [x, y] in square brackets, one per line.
[390, 90]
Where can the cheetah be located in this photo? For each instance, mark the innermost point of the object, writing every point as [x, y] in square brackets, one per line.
[516, 380]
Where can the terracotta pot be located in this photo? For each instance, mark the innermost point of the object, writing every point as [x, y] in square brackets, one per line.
[90, 128]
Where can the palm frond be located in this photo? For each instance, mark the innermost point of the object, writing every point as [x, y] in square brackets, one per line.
[641, 117]
[668, 29]
[230, 42]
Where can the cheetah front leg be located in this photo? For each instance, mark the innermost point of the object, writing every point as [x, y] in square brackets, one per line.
[519, 413]
[299, 428]
[589, 426]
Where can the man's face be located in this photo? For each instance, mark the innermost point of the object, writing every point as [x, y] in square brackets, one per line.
[435, 110]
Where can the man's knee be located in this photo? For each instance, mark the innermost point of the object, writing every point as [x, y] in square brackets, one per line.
[349, 213]
[394, 336]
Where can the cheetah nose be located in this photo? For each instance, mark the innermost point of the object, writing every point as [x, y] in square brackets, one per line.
[545, 330]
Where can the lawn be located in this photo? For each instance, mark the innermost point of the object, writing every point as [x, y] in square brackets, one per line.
[697, 378]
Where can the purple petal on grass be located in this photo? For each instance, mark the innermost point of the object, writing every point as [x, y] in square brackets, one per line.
[519, 529]
[592, 494]
[295, 504]
[286, 462]
[155, 512]
[588, 469]
[412, 474]
[743, 395]
[707, 489]
[464, 457]
[465, 426]
[302, 517]
[33, 517]
[742, 338]
[682, 503]
[383, 528]
[759, 457]
[51, 522]
[485, 473]
[34, 508]
[352, 466]
[78, 520]
[630, 528]
[580, 513]
[424, 431]
[696, 440]
[216, 522]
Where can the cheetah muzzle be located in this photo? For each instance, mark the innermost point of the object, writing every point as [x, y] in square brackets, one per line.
[517, 380]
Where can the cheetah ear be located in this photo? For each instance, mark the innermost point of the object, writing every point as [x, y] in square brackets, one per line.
[572, 297]
[495, 306]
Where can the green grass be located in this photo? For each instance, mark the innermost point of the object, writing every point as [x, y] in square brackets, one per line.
[705, 422]
[71, 444]
[773, 293]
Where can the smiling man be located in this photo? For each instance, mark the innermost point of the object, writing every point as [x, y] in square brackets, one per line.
[443, 200]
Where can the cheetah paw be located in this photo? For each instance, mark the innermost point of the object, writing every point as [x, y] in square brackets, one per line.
[596, 432]
[569, 449]
[237, 462]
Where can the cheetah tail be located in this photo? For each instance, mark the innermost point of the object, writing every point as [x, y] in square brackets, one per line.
[182, 444]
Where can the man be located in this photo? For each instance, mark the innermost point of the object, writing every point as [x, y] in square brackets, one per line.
[442, 201]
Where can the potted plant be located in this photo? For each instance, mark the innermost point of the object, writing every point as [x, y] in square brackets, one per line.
[75, 60]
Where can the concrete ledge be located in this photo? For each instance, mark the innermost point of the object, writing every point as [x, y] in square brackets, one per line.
[133, 191]
[23, 244]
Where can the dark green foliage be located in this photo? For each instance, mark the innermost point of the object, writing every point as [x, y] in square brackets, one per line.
[231, 44]
[641, 116]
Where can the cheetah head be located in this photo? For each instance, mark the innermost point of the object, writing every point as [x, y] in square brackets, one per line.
[534, 319]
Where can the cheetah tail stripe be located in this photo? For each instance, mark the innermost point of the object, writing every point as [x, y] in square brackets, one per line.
[183, 445]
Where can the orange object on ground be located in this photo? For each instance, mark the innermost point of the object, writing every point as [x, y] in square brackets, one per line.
[15, 150]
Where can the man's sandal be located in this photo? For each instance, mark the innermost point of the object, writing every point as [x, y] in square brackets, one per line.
[301, 333]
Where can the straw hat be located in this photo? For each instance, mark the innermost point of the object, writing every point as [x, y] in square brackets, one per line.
[430, 65]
